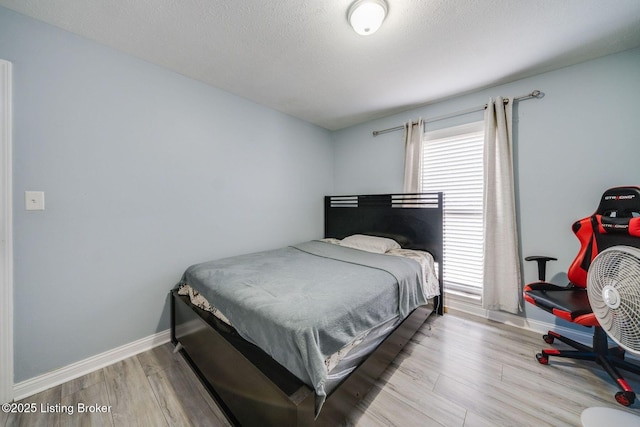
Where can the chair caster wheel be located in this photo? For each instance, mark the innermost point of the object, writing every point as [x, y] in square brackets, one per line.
[542, 359]
[548, 338]
[625, 398]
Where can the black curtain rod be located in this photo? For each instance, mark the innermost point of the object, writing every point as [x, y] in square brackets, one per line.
[534, 94]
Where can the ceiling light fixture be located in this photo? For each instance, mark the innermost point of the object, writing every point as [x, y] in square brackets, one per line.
[366, 16]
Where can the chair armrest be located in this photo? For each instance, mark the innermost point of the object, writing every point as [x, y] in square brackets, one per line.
[542, 264]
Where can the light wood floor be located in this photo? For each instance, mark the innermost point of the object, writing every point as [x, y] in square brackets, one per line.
[457, 371]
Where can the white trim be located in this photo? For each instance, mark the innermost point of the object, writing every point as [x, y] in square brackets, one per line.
[538, 326]
[541, 327]
[470, 308]
[6, 236]
[86, 366]
[464, 302]
[583, 335]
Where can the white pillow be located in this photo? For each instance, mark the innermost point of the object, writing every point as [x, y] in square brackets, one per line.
[369, 243]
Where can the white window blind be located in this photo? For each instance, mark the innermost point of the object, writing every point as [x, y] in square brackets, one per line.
[452, 162]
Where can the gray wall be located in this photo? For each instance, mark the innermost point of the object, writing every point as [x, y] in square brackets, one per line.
[145, 172]
[570, 146]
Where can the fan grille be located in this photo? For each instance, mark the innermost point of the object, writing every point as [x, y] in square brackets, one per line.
[613, 286]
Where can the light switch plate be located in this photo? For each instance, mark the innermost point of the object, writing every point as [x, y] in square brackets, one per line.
[34, 200]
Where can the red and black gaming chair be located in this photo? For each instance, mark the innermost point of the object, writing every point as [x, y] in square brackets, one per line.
[615, 222]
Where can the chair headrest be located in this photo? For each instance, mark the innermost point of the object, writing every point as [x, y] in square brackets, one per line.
[607, 225]
[620, 202]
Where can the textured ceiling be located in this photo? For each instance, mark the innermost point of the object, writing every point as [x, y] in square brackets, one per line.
[301, 57]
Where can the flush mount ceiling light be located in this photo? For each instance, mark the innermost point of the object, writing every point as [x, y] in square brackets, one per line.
[366, 16]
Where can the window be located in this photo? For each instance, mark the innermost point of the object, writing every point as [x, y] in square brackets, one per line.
[452, 162]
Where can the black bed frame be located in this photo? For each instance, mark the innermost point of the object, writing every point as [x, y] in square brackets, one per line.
[251, 387]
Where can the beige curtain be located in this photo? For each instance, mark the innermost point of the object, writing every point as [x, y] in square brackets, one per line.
[412, 147]
[502, 284]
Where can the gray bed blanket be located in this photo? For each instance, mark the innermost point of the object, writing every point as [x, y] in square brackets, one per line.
[303, 303]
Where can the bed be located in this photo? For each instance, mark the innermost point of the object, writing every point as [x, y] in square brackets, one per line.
[238, 364]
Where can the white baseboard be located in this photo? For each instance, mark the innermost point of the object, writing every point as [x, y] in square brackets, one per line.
[75, 370]
[585, 336]
[540, 327]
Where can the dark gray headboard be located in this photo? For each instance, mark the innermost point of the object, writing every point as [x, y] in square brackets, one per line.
[413, 220]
